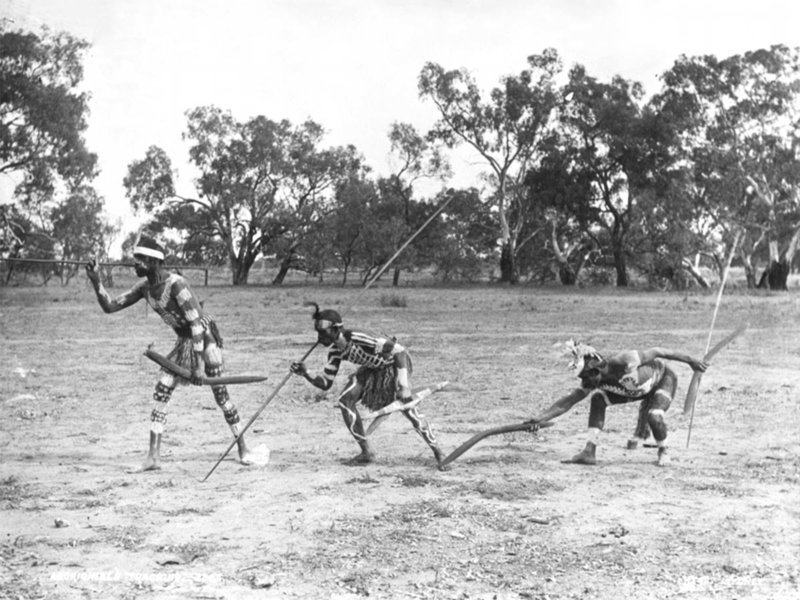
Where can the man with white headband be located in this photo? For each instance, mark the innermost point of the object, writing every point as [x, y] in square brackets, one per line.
[198, 347]
[382, 378]
[630, 376]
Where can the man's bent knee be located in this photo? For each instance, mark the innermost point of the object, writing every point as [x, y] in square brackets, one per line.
[655, 418]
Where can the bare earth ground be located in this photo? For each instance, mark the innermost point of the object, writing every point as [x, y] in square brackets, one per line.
[508, 520]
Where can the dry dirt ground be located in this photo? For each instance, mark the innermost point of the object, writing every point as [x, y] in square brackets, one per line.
[508, 520]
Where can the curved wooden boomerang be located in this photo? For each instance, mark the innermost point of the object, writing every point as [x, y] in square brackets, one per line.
[397, 406]
[488, 433]
[694, 385]
[183, 372]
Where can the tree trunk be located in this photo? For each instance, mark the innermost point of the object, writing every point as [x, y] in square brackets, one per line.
[283, 270]
[396, 277]
[566, 274]
[775, 276]
[750, 276]
[620, 267]
[508, 264]
[746, 254]
[696, 274]
[241, 263]
[240, 272]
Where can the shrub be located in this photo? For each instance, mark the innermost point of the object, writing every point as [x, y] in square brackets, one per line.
[393, 301]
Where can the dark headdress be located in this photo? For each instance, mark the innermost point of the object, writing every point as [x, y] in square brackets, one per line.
[325, 315]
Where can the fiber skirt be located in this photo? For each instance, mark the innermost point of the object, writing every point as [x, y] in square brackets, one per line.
[183, 351]
[379, 385]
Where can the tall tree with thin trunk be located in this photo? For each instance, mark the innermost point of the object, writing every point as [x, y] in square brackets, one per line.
[609, 132]
[414, 158]
[740, 126]
[505, 130]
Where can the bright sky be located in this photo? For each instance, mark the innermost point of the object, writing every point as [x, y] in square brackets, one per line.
[352, 65]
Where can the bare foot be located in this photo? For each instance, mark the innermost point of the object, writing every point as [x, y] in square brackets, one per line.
[364, 458]
[439, 460]
[663, 458]
[151, 463]
[245, 456]
[585, 457]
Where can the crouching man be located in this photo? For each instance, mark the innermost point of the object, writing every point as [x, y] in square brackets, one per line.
[629, 376]
[381, 379]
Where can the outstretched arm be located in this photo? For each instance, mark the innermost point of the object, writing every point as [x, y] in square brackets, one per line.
[299, 368]
[559, 407]
[653, 353]
[108, 304]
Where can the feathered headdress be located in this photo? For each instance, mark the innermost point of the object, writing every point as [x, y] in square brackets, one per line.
[578, 352]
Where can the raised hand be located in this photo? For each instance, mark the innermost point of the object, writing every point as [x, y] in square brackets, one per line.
[93, 270]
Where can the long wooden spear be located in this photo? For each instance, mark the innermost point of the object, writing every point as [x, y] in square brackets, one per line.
[65, 262]
[691, 395]
[310, 350]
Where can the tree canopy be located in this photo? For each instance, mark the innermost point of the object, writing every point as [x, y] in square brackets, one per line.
[43, 111]
[581, 177]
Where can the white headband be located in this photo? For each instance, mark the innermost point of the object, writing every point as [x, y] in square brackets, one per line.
[152, 252]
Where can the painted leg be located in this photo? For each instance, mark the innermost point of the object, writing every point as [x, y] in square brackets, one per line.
[153, 460]
[659, 427]
[655, 416]
[223, 400]
[423, 428]
[158, 418]
[597, 420]
[352, 419]
[244, 451]
[642, 431]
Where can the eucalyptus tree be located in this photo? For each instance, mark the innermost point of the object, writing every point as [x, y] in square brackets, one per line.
[43, 112]
[561, 187]
[613, 137]
[464, 238]
[261, 185]
[43, 119]
[241, 166]
[79, 229]
[505, 130]
[414, 160]
[150, 188]
[305, 195]
[350, 224]
[739, 120]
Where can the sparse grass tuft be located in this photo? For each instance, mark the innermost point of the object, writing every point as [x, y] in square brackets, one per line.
[393, 301]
